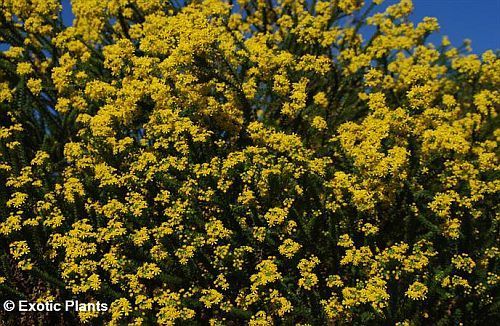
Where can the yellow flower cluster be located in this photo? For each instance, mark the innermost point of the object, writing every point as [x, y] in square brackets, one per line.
[247, 162]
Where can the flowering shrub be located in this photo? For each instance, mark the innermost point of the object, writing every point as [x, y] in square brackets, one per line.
[249, 162]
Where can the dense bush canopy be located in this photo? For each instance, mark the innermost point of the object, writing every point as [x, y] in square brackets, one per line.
[262, 162]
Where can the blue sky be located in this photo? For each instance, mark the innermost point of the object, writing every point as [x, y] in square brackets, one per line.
[478, 20]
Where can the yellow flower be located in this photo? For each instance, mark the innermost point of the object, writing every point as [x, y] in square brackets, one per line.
[34, 85]
[289, 248]
[24, 68]
[267, 272]
[319, 123]
[417, 291]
